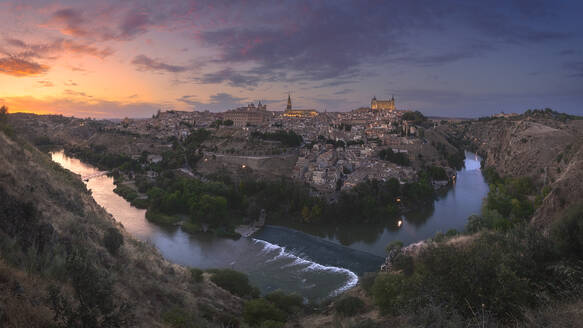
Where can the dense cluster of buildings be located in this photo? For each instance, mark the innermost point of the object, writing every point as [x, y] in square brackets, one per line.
[340, 149]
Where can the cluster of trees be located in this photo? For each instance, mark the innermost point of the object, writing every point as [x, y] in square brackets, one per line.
[549, 113]
[397, 158]
[288, 138]
[436, 173]
[220, 205]
[417, 118]
[182, 153]
[218, 123]
[507, 203]
[455, 159]
[213, 204]
[99, 156]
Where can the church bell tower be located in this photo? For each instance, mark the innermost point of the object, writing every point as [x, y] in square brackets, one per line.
[289, 107]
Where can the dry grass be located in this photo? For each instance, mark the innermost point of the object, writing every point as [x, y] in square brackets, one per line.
[22, 299]
[562, 315]
[29, 176]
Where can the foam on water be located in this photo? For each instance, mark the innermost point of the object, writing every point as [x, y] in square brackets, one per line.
[309, 265]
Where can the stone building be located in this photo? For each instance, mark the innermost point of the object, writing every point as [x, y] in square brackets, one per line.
[249, 115]
[382, 104]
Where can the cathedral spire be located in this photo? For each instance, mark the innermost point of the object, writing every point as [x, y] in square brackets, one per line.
[289, 106]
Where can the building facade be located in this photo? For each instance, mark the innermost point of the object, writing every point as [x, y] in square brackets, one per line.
[250, 115]
[382, 104]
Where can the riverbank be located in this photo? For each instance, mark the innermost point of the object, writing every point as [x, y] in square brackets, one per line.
[269, 266]
[450, 211]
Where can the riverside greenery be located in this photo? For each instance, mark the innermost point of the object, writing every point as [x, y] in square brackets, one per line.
[220, 204]
[504, 267]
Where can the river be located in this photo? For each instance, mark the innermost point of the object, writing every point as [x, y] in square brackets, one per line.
[313, 261]
[451, 210]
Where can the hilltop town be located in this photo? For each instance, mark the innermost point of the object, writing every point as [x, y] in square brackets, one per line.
[329, 151]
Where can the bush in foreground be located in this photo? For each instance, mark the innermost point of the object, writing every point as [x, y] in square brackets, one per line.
[235, 282]
[289, 303]
[349, 306]
[261, 312]
[196, 275]
[112, 240]
[500, 273]
[567, 232]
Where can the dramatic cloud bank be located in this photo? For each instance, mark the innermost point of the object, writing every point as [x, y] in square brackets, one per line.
[463, 58]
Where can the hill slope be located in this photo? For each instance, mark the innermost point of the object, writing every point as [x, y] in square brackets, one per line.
[59, 262]
[548, 150]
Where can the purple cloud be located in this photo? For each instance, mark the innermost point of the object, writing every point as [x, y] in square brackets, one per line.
[145, 63]
[217, 102]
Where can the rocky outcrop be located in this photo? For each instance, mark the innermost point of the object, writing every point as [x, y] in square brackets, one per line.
[409, 250]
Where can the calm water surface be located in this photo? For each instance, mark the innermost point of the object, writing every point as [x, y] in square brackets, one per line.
[313, 261]
[450, 211]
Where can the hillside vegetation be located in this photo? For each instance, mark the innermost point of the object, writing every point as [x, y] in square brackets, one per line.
[540, 144]
[65, 262]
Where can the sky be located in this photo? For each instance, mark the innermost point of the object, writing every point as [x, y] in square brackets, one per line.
[462, 58]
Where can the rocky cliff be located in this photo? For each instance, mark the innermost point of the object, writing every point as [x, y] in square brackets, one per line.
[542, 147]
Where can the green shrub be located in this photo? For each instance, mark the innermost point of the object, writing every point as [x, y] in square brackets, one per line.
[126, 192]
[349, 306]
[272, 324]
[259, 310]
[441, 316]
[191, 227]
[403, 263]
[501, 272]
[196, 275]
[179, 318]
[366, 323]
[567, 232]
[289, 303]
[235, 282]
[394, 245]
[112, 240]
[141, 203]
[160, 218]
[220, 318]
[393, 292]
[367, 281]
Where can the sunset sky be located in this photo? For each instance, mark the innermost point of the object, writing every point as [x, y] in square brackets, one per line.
[109, 59]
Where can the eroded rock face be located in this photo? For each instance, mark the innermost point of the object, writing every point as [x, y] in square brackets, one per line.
[547, 150]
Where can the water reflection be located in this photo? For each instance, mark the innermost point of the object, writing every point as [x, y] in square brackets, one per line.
[450, 211]
[268, 266]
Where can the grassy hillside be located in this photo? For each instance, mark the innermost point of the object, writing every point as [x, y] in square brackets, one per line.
[64, 261]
